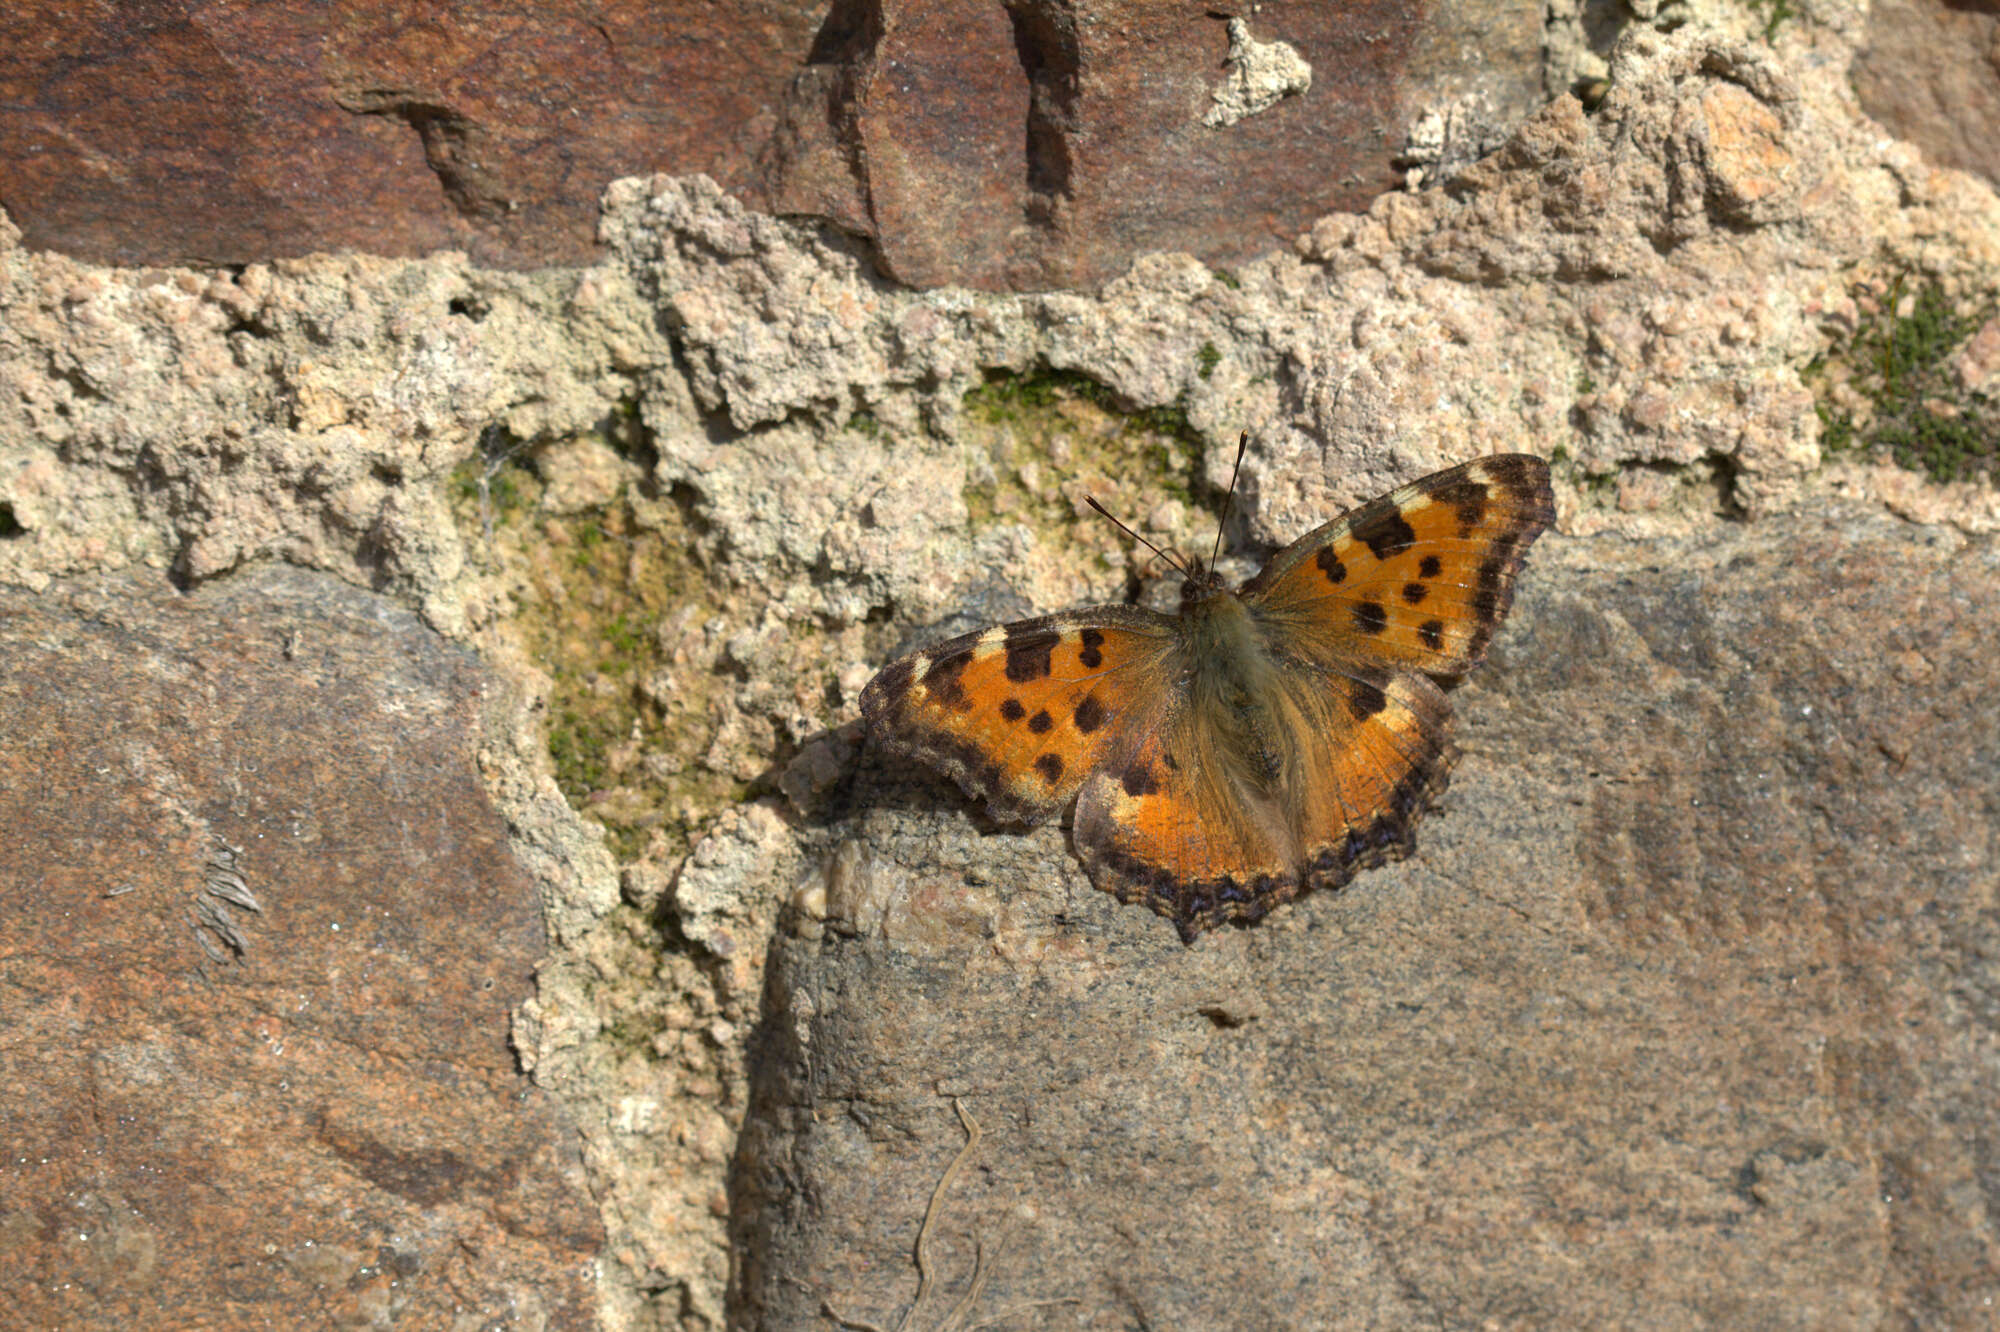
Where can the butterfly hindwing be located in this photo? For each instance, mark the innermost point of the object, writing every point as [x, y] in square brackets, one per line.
[1418, 578]
[1020, 715]
[1171, 822]
[1379, 755]
[1163, 824]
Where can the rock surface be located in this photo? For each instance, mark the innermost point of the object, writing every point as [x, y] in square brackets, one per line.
[1045, 144]
[1929, 71]
[1030, 145]
[1685, 1013]
[806, 469]
[263, 932]
[212, 134]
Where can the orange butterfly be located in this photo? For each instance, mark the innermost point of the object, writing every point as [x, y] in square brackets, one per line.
[1261, 742]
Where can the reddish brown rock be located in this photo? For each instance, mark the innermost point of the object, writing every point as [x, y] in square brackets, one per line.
[1044, 144]
[1929, 70]
[1005, 146]
[302, 1111]
[196, 133]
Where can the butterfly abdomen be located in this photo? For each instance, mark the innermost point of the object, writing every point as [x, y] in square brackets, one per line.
[1230, 676]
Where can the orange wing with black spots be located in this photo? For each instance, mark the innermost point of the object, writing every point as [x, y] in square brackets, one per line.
[1194, 825]
[1020, 715]
[1260, 743]
[1418, 578]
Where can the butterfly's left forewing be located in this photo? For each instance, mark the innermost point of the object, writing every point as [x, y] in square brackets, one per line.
[1419, 578]
[1020, 715]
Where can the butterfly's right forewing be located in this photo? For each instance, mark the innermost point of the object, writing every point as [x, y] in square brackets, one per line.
[1021, 714]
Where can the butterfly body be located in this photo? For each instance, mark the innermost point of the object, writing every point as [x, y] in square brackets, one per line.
[1259, 743]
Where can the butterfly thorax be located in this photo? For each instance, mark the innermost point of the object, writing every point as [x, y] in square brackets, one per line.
[1230, 679]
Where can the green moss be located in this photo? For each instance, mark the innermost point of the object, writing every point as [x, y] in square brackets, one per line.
[1170, 422]
[1900, 363]
[1774, 14]
[1031, 440]
[590, 592]
[1228, 279]
[577, 747]
[1006, 397]
[1206, 360]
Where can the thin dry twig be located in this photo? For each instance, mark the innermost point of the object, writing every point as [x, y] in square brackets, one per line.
[972, 1291]
[1029, 1307]
[972, 1136]
[961, 1309]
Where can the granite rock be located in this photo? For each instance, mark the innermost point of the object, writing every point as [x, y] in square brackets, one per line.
[263, 932]
[1683, 1014]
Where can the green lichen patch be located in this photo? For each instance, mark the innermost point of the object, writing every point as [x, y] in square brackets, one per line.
[1888, 390]
[611, 603]
[1040, 443]
[1775, 13]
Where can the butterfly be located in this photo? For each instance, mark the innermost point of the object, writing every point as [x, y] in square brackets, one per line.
[1259, 743]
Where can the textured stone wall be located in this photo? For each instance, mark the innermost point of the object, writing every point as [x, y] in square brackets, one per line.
[326, 572]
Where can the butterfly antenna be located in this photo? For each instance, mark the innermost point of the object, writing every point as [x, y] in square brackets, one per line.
[1178, 566]
[1229, 500]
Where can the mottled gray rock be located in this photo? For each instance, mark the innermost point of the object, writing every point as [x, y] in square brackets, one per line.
[263, 930]
[1929, 71]
[1633, 286]
[1685, 1013]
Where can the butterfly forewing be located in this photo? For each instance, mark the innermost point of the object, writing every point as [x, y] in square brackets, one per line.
[1021, 714]
[1419, 578]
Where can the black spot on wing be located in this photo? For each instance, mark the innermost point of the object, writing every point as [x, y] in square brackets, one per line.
[1330, 565]
[1090, 655]
[1041, 722]
[1466, 496]
[942, 682]
[1491, 595]
[1518, 473]
[1051, 768]
[1141, 780]
[1432, 634]
[1414, 593]
[1489, 598]
[1370, 618]
[1028, 653]
[1364, 700]
[1012, 710]
[1090, 714]
[1430, 568]
[1384, 530]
